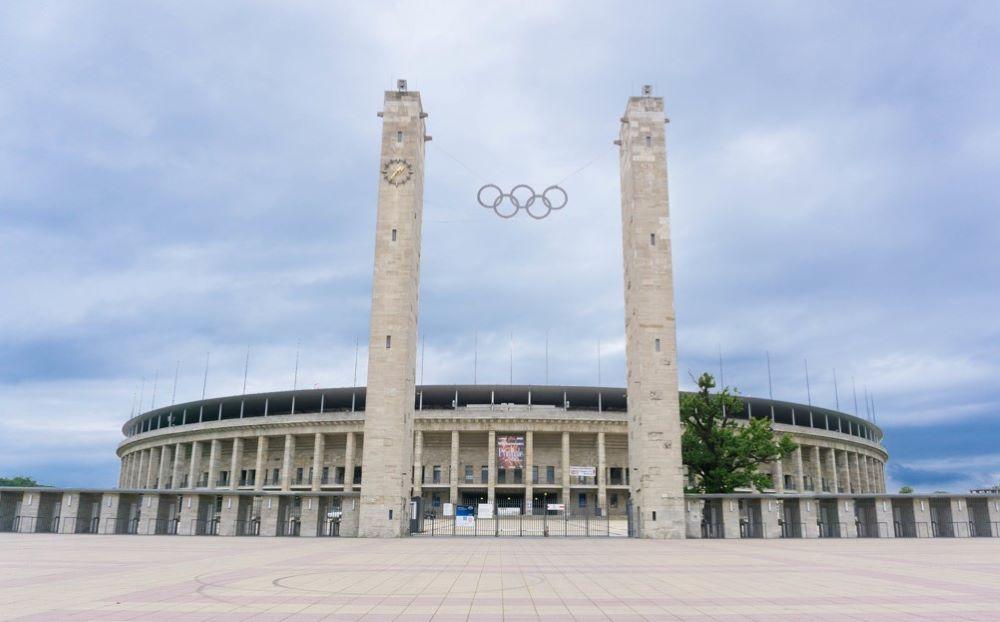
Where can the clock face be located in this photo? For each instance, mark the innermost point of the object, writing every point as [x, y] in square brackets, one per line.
[397, 172]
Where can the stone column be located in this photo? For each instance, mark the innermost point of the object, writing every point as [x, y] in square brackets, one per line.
[260, 467]
[454, 468]
[809, 514]
[194, 469]
[140, 479]
[922, 517]
[831, 465]
[269, 515]
[846, 516]
[349, 461]
[236, 464]
[229, 515]
[883, 518]
[418, 463]
[109, 510]
[602, 475]
[565, 470]
[800, 473]
[529, 463]
[392, 351]
[863, 471]
[152, 464]
[213, 461]
[778, 475]
[149, 508]
[176, 474]
[654, 429]
[852, 473]
[189, 510]
[165, 461]
[771, 513]
[287, 462]
[730, 518]
[491, 460]
[310, 517]
[817, 465]
[845, 472]
[319, 446]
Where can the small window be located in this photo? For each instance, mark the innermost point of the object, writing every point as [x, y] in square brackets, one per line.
[390, 514]
[654, 514]
[652, 238]
[393, 235]
[649, 143]
[388, 341]
[399, 136]
[582, 500]
[656, 344]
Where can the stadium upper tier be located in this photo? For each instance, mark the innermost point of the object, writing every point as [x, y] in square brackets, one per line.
[473, 398]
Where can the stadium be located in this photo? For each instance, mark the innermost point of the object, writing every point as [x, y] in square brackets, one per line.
[570, 449]
[393, 458]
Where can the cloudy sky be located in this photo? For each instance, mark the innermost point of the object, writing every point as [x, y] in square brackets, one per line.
[185, 178]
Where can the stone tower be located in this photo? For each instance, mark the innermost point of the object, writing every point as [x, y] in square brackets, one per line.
[654, 430]
[392, 350]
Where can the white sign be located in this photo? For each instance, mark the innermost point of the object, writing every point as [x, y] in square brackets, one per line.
[465, 521]
[485, 510]
[558, 507]
[582, 471]
[508, 511]
[449, 509]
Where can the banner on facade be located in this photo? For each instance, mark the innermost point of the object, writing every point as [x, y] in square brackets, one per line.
[510, 451]
[582, 471]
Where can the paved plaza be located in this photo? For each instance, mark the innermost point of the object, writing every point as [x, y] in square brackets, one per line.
[187, 579]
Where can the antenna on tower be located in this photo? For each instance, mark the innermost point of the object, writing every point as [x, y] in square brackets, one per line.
[836, 392]
[854, 389]
[142, 393]
[295, 376]
[156, 381]
[770, 389]
[246, 370]
[808, 389]
[355, 362]
[177, 371]
[647, 90]
[204, 383]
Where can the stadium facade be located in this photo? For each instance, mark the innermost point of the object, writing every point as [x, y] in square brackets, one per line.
[393, 458]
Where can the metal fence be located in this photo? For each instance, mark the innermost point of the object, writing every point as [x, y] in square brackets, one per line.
[163, 526]
[751, 530]
[911, 529]
[330, 528]
[290, 528]
[515, 521]
[247, 527]
[124, 526]
[830, 530]
[872, 530]
[791, 530]
[208, 527]
[712, 530]
[81, 524]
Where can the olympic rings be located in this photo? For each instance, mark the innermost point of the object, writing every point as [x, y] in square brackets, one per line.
[521, 197]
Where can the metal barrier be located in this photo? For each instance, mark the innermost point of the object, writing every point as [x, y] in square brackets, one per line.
[911, 529]
[872, 530]
[290, 528]
[984, 530]
[711, 531]
[751, 530]
[163, 526]
[122, 527]
[82, 524]
[513, 521]
[830, 530]
[950, 530]
[205, 527]
[330, 528]
[792, 530]
[247, 527]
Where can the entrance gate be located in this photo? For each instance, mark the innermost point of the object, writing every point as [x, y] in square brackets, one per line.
[518, 520]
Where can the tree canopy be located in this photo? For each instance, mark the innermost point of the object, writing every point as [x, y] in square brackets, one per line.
[18, 480]
[721, 453]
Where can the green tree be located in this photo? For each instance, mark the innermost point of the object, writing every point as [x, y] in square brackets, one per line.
[906, 490]
[721, 453]
[19, 480]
